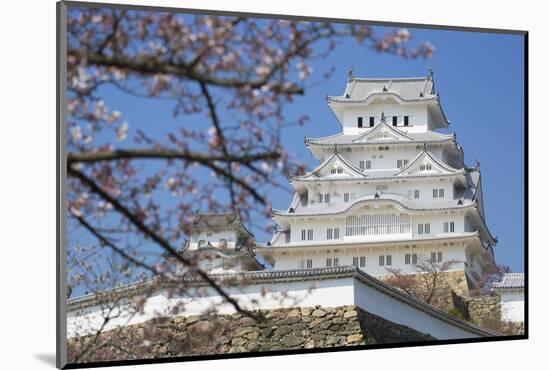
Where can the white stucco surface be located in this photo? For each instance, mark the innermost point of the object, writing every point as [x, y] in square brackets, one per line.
[327, 292]
[512, 305]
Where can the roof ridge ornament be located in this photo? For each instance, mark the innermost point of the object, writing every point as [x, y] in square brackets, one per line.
[430, 73]
[350, 73]
[383, 117]
[477, 164]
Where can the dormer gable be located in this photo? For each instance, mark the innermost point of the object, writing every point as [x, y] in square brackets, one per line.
[335, 166]
[383, 133]
[426, 163]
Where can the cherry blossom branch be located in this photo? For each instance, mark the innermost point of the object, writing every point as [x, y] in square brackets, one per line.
[119, 154]
[154, 236]
[207, 161]
[146, 66]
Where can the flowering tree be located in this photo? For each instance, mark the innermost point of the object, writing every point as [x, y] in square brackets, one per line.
[228, 79]
[427, 281]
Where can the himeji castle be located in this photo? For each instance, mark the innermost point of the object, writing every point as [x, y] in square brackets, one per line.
[389, 190]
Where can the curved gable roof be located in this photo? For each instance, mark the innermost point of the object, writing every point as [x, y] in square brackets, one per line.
[382, 128]
[351, 169]
[424, 157]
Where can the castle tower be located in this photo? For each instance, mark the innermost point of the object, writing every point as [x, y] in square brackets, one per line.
[389, 190]
[220, 243]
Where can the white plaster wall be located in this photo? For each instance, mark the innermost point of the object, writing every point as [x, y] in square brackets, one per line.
[387, 159]
[397, 186]
[418, 116]
[380, 304]
[214, 239]
[437, 223]
[512, 305]
[213, 262]
[327, 293]
[292, 260]
[319, 226]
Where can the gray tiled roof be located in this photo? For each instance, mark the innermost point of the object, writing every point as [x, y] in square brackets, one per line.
[512, 280]
[341, 139]
[405, 202]
[383, 174]
[216, 219]
[350, 166]
[407, 89]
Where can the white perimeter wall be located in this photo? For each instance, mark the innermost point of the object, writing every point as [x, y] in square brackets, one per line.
[512, 305]
[391, 309]
[327, 293]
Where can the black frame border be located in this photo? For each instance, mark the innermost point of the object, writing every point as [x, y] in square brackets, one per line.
[61, 173]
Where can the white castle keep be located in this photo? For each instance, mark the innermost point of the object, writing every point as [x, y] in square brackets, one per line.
[389, 190]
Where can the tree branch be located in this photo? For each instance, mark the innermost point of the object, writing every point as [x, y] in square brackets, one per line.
[145, 65]
[205, 160]
[151, 234]
[119, 154]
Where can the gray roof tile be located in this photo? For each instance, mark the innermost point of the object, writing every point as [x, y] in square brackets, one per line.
[407, 89]
[408, 203]
[512, 280]
[341, 139]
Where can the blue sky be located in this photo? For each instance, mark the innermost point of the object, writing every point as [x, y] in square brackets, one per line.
[480, 80]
